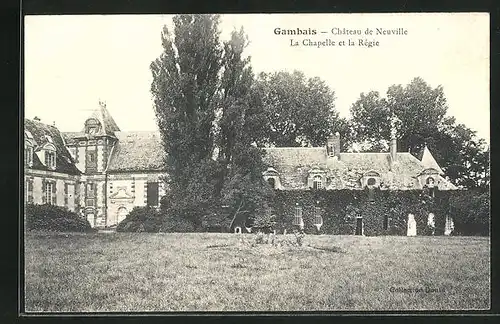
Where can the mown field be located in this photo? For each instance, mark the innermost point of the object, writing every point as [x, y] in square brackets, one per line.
[227, 272]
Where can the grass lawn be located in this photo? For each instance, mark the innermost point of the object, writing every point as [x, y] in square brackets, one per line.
[227, 272]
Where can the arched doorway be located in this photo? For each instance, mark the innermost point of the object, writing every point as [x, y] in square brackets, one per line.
[122, 214]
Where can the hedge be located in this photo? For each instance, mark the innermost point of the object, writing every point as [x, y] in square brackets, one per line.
[54, 218]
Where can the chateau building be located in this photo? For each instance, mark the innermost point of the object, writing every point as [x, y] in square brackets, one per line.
[102, 172]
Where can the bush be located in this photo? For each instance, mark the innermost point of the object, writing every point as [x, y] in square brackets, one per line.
[54, 218]
[142, 219]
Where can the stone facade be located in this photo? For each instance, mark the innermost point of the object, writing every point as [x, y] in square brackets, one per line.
[100, 173]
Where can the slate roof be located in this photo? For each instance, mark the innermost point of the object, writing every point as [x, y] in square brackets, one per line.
[294, 163]
[64, 161]
[137, 151]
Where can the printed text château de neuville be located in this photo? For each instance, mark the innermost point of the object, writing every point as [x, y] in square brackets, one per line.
[365, 37]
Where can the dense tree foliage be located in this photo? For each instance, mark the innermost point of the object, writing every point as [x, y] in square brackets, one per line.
[300, 111]
[209, 112]
[422, 120]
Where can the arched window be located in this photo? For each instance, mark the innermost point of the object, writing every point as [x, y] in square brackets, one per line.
[92, 126]
[49, 152]
[272, 182]
[122, 214]
[317, 182]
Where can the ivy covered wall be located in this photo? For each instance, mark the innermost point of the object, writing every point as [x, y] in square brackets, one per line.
[384, 212]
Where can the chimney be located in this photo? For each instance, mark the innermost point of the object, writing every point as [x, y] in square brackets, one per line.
[333, 146]
[393, 145]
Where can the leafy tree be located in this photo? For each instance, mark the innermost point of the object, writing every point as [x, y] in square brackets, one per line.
[421, 111]
[371, 122]
[184, 88]
[209, 112]
[300, 111]
[242, 125]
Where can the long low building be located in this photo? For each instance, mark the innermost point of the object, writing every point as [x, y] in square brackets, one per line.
[102, 172]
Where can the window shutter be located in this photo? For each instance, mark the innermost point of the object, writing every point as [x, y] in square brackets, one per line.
[152, 193]
[44, 194]
[310, 182]
[54, 197]
[65, 194]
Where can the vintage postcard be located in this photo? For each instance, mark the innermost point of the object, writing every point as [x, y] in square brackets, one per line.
[256, 163]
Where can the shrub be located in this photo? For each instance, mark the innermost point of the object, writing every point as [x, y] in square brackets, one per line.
[141, 219]
[54, 218]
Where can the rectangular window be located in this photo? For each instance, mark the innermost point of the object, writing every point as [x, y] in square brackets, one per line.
[298, 216]
[50, 159]
[152, 193]
[28, 155]
[66, 194]
[317, 216]
[91, 163]
[91, 194]
[90, 190]
[29, 190]
[49, 192]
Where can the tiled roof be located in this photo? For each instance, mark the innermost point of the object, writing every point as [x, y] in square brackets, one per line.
[294, 164]
[64, 161]
[137, 151]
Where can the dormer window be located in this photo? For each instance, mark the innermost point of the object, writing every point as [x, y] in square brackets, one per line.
[316, 178]
[272, 177]
[50, 159]
[28, 150]
[92, 126]
[49, 156]
[317, 182]
[371, 179]
[272, 182]
[427, 179]
[28, 155]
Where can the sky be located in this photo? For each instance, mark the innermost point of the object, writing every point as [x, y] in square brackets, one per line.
[72, 62]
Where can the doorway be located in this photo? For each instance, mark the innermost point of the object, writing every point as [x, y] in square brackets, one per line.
[359, 226]
[91, 219]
